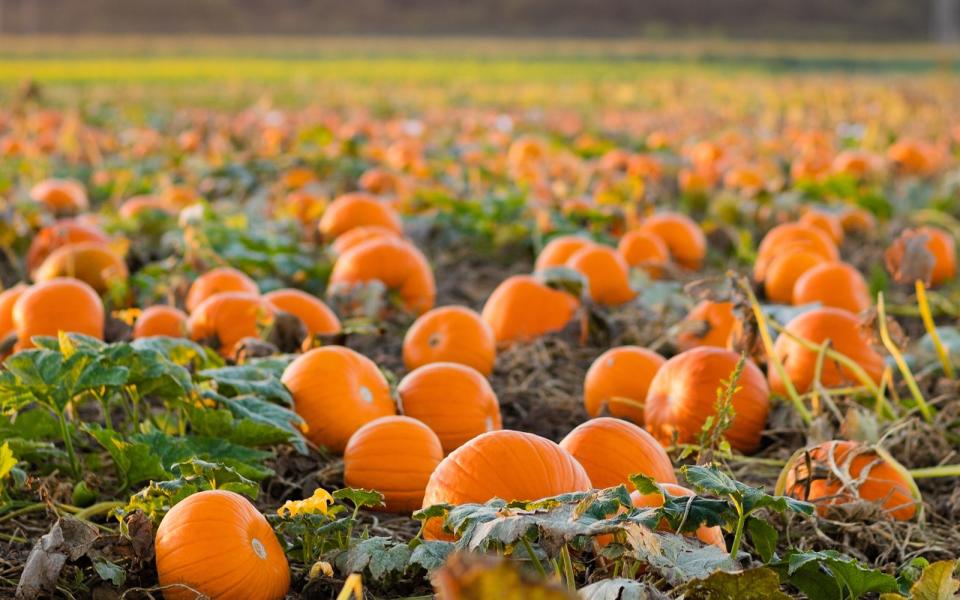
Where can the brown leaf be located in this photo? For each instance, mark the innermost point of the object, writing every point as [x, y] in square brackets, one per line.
[909, 260]
[68, 539]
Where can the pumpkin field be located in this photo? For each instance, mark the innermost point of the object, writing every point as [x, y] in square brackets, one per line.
[364, 319]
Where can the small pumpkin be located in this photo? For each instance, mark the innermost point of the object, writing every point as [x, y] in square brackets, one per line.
[217, 544]
[358, 235]
[160, 321]
[450, 334]
[454, 400]
[559, 250]
[712, 536]
[606, 272]
[791, 237]
[316, 316]
[855, 163]
[522, 309]
[836, 284]
[682, 235]
[395, 456]
[910, 256]
[336, 391]
[785, 270]
[225, 319]
[829, 223]
[709, 323]
[61, 196]
[40, 311]
[214, 281]
[61, 233]
[684, 393]
[854, 219]
[398, 264]
[618, 381]
[357, 209]
[644, 250]
[611, 450]
[94, 263]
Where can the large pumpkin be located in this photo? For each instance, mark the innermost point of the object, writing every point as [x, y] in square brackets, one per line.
[454, 400]
[611, 450]
[521, 309]
[94, 263]
[559, 250]
[61, 233]
[316, 316]
[395, 456]
[450, 334]
[357, 209]
[398, 264]
[618, 381]
[843, 330]
[682, 235]
[606, 272]
[217, 544]
[836, 284]
[161, 321]
[224, 319]
[336, 391]
[40, 310]
[215, 281]
[684, 393]
[358, 235]
[60, 196]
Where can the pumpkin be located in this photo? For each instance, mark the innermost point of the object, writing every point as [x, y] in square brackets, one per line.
[381, 181]
[682, 235]
[712, 536]
[606, 272]
[791, 237]
[214, 281]
[841, 472]
[914, 157]
[618, 381]
[855, 163]
[160, 320]
[450, 334]
[40, 311]
[908, 263]
[395, 456]
[844, 331]
[707, 324]
[684, 393]
[559, 250]
[216, 543]
[61, 233]
[827, 222]
[356, 210]
[396, 263]
[785, 270]
[8, 298]
[223, 320]
[316, 316]
[512, 465]
[836, 284]
[297, 177]
[522, 309]
[854, 219]
[644, 250]
[137, 205]
[611, 450]
[358, 235]
[60, 196]
[94, 263]
[336, 391]
[454, 400]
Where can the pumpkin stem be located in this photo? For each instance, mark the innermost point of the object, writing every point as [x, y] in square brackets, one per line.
[942, 353]
[938, 471]
[921, 403]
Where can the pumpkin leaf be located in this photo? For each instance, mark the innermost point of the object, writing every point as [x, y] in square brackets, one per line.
[135, 461]
[430, 554]
[830, 575]
[172, 450]
[677, 558]
[248, 380]
[109, 571]
[181, 351]
[619, 588]
[359, 497]
[764, 538]
[253, 409]
[937, 581]
[752, 584]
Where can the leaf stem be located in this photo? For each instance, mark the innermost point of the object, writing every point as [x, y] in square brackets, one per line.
[533, 557]
[738, 533]
[938, 471]
[888, 342]
[98, 509]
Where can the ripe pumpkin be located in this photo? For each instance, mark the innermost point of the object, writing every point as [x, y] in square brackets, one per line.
[316, 316]
[217, 543]
[521, 309]
[358, 235]
[682, 235]
[512, 465]
[336, 391]
[60, 196]
[914, 157]
[785, 270]
[871, 475]
[133, 207]
[395, 456]
[712, 536]
[684, 393]
[398, 264]
[836, 284]
[857, 220]
[61, 233]
[356, 210]
[827, 222]
[8, 298]
[843, 330]
[40, 311]
[161, 320]
[708, 324]
[454, 400]
[607, 274]
[855, 163]
[792, 237]
[611, 450]
[644, 250]
[214, 281]
[450, 334]
[224, 319]
[559, 250]
[618, 380]
[938, 243]
[94, 263]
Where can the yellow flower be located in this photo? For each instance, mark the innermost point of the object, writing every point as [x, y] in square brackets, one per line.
[319, 502]
[7, 460]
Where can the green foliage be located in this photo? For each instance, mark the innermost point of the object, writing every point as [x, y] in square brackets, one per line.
[830, 575]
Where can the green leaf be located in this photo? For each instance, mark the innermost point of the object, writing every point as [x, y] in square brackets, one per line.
[829, 575]
[752, 584]
[135, 461]
[708, 479]
[109, 571]
[430, 554]
[381, 555]
[936, 582]
[171, 450]
[232, 426]
[266, 413]
[360, 497]
[181, 351]
[763, 536]
[678, 558]
[218, 476]
[248, 380]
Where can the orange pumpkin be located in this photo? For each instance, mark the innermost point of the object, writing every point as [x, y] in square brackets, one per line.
[708, 324]
[914, 157]
[684, 393]
[790, 237]
[843, 330]
[606, 272]
[356, 210]
[611, 450]
[938, 243]
[94, 263]
[398, 264]
[160, 320]
[841, 472]
[215, 281]
[40, 311]
[450, 334]
[644, 250]
[857, 220]
[337, 391]
[855, 163]
[223, 320]
[511, 465]
[61, 233]
[829, 223]
[559, 250]
[60, 196]
[358, 235]
[217, 544]
[8, 298]
[836, 284]
[682, 235]
[521, 309]
[139, 204]
[618, 380]
[454, 400]
[316, 316]
[712, 536]
[785, 270]
[395, 456]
